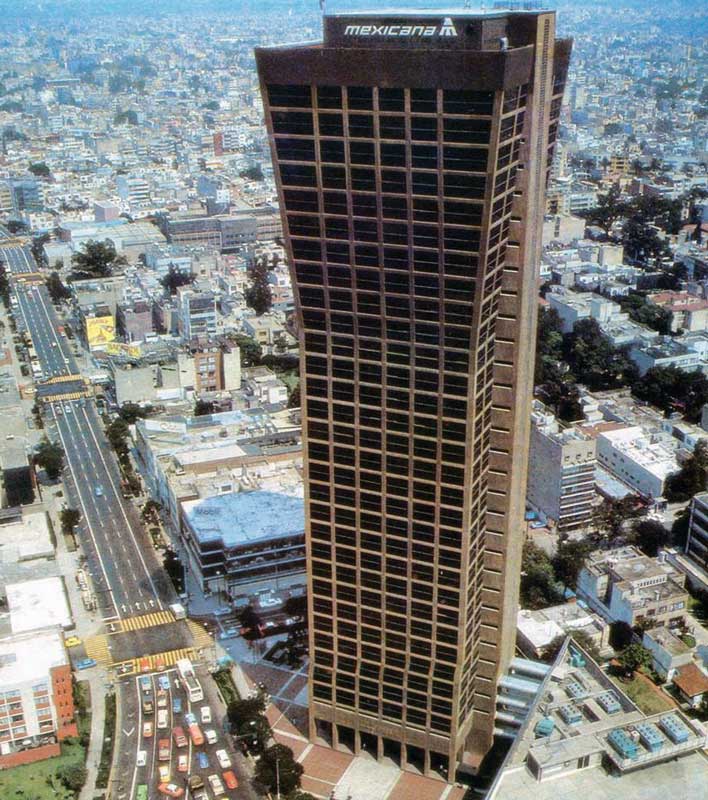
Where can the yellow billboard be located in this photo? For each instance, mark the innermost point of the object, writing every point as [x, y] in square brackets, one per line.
[120, 348]
[100, 331]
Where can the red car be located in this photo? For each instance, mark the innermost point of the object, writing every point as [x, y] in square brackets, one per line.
[230, 779]
[170, 789]
[163, 750]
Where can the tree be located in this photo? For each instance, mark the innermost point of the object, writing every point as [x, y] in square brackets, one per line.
[650, 536]
[73, 776]
[17, 226]
[151, 511]
[70, 518]
[645, 313]
[298, 794]
[633, 657]
[569, 560]
[549, 345]
[117, 433]
[97, 259]
[50, 456]
[4, 284]
[277, 770]
[642, 242]
[203, 408]
[37, 248]
[294, 397]
[40, 169]
[175, 569]
[176, 278]
[609, 209]
[672, 389]
[691, 478]
[679, 529]
[258, 295]
[593, 359]
[538, 583]
[250, 619]
[583, 639]
[251, 352]
[611, 515]
[131, 412]
[56, 288]
[254, 173]
[249, 709]
[295, 606]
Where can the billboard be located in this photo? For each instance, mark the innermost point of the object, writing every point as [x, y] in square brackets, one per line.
[100, 331]
[122, 349]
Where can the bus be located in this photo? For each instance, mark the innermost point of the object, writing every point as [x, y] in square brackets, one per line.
[141, 792]
[189, 679]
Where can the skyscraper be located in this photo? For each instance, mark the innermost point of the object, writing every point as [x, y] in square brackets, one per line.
[411, 153]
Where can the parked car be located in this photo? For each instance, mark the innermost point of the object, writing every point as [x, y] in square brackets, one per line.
[86, 663]
[170, 789]
[72, 641]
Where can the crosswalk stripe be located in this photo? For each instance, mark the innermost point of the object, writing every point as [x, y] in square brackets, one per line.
[147, 621]
[97, 648]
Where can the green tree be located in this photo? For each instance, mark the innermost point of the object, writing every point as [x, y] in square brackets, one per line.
[294, 396]
[175, 569]
[538, 587]
[610, 208]
[593, 359]
[4, 284]
[72, 776]
[642, 242]
[254, 173]
[50, 457]
[203, 408]
[69, 518]
[258, 294]
[40, 169]
[611, 515]
[650, 536]
[277, 770]
[679, 529]
[251, 352]
[247, 710]
[549, 345]
[117, 433]
[633, 657]
[176, 278]
[569, 560]
[56, 288]
[131, 412]
[97, 259]
[645, 313]
[37, 248]
[691, 478]
[250, 619]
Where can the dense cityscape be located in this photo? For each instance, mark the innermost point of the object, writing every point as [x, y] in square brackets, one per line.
[354, 401]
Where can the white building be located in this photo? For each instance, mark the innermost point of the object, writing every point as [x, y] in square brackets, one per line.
[561, 471]
[641, 461]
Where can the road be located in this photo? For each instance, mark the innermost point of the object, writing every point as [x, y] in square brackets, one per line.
[131, 588]
[18, 258]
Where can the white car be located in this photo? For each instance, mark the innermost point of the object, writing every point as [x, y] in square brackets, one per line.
[142, 758]
[211, 736]
[223, 758]
[205, 713]
[216, 785]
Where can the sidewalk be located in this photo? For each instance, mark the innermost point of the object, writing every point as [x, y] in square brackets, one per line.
[98, 719]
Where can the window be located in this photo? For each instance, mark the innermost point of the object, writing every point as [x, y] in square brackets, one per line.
[391, 100]
[295, 149]
[360, 98]
[329, 96]
[289, 96]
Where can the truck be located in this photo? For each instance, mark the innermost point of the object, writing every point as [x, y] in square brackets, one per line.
[189, 679]
[178, 611]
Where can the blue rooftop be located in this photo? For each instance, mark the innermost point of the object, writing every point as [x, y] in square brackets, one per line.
[240, 518]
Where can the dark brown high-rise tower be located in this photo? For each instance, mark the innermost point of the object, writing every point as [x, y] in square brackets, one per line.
[411, 154]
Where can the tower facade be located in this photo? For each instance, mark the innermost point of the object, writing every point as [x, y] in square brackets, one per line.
[411, 153]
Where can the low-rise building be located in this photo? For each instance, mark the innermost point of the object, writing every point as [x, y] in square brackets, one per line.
[624, 585]
[641, 461]
[561, 471]
[36, 696]
[692, 684]
[537, 629]
[668, 652]
[688, 312]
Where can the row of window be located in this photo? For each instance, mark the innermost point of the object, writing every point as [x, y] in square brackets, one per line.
[367, 98]
[370, 230]
[384, 126]
[463, 185]
[336, 151]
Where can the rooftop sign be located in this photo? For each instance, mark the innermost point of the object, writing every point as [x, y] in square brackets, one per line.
[446, 28]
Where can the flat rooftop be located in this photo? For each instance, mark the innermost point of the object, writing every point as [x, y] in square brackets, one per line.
[242, 518]
[37, 604]
[29, 657]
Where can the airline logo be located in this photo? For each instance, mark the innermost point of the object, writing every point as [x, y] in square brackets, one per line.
[446, 28]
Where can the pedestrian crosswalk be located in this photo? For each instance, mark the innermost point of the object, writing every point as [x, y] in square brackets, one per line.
[155, 662]
[62, 379]
[61, 398]
[143, 621]
[202, 638]
[97, 648]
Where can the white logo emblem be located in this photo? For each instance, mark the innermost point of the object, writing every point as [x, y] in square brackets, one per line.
[447, 28]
